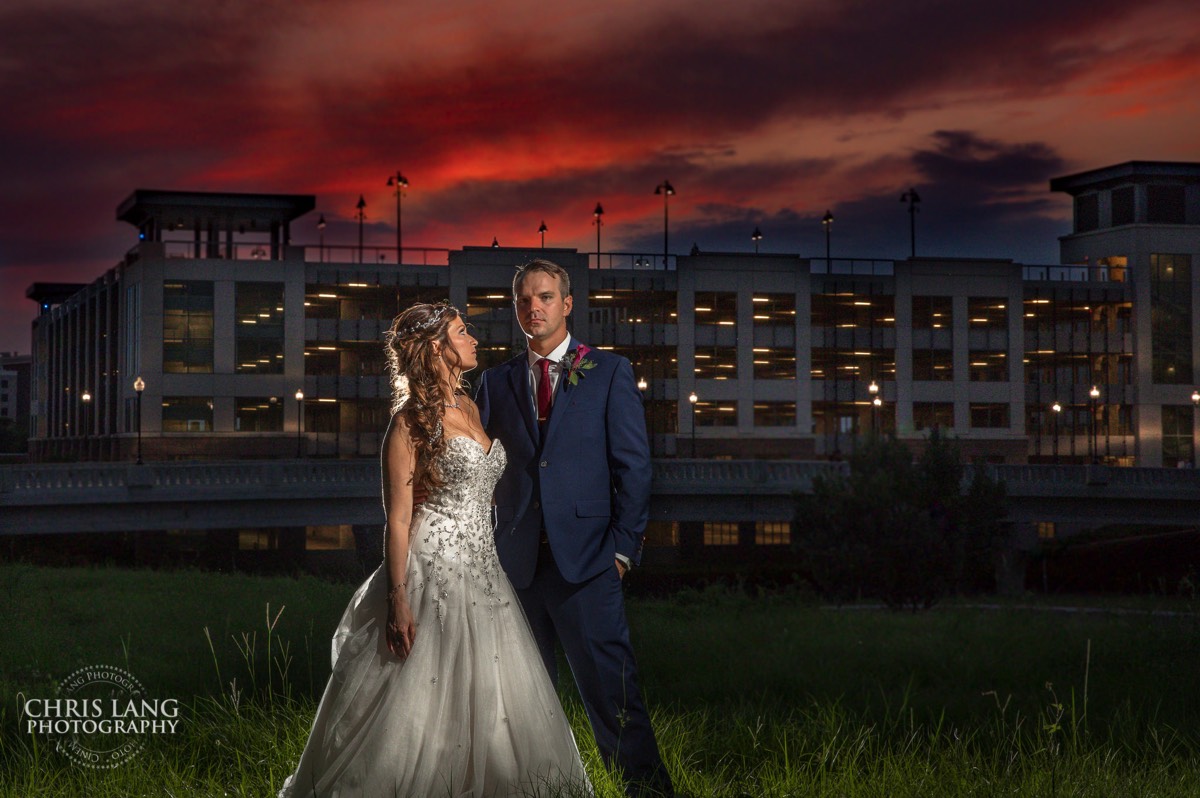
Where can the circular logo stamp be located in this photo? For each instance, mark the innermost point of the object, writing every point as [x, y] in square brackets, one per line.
[101, 716]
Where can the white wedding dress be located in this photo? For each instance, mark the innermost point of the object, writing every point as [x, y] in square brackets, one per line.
[471, 712]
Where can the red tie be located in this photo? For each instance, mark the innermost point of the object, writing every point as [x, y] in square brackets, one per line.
[543, 394]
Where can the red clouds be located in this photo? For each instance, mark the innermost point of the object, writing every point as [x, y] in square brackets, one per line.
[504, 114]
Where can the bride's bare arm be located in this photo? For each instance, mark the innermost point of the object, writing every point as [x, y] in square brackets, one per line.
[398, 462]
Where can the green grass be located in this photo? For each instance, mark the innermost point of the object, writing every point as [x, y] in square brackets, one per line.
[769, 696]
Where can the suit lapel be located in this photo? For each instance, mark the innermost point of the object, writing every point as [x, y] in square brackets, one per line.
[518, 380]
[562, 393]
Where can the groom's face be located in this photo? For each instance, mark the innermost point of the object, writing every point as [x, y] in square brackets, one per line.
[542, 310]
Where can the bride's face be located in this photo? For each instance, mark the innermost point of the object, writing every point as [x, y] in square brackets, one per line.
[463, 344]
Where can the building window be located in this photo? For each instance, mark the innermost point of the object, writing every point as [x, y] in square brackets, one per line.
[772, 533]
[1165, 204]
[774, 310]
[990, 415]
[612, 308]
[1087, 213]
[858, 306]
[649, 362]
[774, 363]
[322, 417]
[716, 414]
[662, 416]
[188, 327]
[322, 359]
[187, 414]
[1122, 206]
[933, 415]
[988, 313]
[716, 363]
[662, 533]
[720, 533]
[932, 312]
[258, 414]
[717, 308]
[863, 365]
[933, 365]
[1171, 318]
[988, 367]
[492, 321]
[1177, 435]
[774, 414]
[258, 331]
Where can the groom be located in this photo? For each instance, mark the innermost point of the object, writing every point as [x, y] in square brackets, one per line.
[571, 510]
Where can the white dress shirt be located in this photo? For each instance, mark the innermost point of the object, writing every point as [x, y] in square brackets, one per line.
[535, 371]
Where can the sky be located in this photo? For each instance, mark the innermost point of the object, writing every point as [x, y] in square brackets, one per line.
[502, 114]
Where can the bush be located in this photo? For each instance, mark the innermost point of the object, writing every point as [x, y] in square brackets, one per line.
[898, 530]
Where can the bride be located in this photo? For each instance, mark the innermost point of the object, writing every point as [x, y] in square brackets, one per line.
[437, 686]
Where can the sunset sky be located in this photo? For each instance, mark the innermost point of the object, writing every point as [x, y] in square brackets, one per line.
[502, 114]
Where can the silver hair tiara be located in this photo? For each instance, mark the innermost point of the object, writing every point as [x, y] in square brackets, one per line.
[424, 325]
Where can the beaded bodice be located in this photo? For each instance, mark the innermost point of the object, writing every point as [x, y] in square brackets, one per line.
[454, 538]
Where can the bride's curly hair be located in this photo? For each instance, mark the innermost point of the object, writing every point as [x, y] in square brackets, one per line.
[417, 396]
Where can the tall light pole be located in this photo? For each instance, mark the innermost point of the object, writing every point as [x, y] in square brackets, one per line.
[693, 399]
[642, 386]
[876, 403]
[542, 232]
[139, 385]
[756, 236]
[400, 182]
[1057, 408]
[913, 199]
[299, 423]
[827, 223]
[86, 398]
[1195, 407]
[1095, 399]
[361, 216]
[666, 189]
[321, 236]
[596, 220]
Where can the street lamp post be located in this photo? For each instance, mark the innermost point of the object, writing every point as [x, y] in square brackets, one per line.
[693, 399]
[642, 386]
[1195, 407]
[1057, 408]
[666, 189]
[321, 236]
[876, 403]
[756, 236]
[299, 424]
[912, 198]
[827, 223]
[139, 385]
[1095, 397]
[542, 232]
[361, 216]
[86, 398]
[400, 182]
[597, 213]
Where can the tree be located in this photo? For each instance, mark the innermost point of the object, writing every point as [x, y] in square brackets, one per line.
[900, 531]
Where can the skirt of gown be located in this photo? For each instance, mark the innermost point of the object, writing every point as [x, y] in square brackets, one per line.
[471, 712]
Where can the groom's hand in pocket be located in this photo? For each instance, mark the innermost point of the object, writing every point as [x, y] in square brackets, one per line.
[621, 568]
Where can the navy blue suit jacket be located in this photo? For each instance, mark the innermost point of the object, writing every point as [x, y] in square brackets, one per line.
[588, 481]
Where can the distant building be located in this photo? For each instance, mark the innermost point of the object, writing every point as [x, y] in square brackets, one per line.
[224, 319]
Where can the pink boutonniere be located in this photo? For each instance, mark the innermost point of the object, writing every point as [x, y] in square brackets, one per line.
[576, 365]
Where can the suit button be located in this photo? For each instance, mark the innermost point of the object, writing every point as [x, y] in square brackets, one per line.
[537, 505]
[544, 464]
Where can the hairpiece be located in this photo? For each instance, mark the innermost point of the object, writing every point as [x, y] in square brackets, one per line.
[433, 319]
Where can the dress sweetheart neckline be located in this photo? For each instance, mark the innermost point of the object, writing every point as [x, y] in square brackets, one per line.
[486, 451]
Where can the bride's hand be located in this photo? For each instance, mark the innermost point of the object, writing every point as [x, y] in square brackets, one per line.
[401, 631]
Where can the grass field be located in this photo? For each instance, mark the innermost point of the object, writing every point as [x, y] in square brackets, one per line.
[768, 696]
